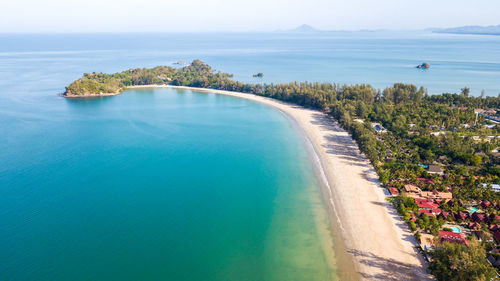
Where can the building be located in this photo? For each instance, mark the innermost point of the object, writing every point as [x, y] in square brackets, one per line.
[436, 134]
[436, 211]
[426, 212]
[426, 205]
[410, 188]
[485, 204]
[426, 241]
[452, 237]
[435, 169]
[491, 111]
[378, 128]
[437, 195]
[462, 216]
[479, 217]
[474, 225]
[393, 191]
[444, 215]
[425, 180]
[495, 187]
[431, 196]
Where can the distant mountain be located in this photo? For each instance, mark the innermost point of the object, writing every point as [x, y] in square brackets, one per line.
[471, 29]
[304, 28]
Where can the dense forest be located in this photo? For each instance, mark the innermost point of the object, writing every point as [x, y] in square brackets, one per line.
[418, 130]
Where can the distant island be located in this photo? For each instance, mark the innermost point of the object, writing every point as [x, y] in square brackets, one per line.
[304, 28]
[260, 74]
[471, 29]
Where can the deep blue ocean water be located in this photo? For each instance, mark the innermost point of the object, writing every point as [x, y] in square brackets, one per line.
[377, 58]
[179, 185]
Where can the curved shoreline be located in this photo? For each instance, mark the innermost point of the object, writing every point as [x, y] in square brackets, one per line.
[92, 95]
[377, 240]
[116, 93]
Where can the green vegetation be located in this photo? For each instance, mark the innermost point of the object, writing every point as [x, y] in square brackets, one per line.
[421, 130]
[100, 83]
[458, 262]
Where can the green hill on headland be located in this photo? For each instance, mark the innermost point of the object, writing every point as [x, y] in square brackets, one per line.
[96, 84]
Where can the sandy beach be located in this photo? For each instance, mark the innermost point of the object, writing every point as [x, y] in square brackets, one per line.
[378, 241]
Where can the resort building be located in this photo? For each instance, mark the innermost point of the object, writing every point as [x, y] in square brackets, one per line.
[393, 191]
[434, 195]
[452, 237]
[435, 169]
[427, 242]
[410, 188]
[378, 128]
[495, 187]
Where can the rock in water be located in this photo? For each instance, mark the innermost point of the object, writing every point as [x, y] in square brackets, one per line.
[424, 65]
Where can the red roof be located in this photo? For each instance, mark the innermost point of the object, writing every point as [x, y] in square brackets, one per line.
[426, 212]
[474, 225]
[437, 210]
[445, 214]
[479, 217]
[427, 205]
[452, 237]
[462, 215]
[393, 191]
[425, 180]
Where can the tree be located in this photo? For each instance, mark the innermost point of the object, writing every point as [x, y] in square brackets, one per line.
[413, 227]
[465, 91]
[475, 160]
[454, 261]
[361, 110]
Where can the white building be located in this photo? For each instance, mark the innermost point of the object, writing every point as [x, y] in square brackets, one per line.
[495, 187]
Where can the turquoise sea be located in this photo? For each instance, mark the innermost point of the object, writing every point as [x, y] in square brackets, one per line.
[179, 185]
[158, 185]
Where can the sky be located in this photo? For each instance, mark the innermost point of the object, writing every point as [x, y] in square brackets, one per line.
[237, 15]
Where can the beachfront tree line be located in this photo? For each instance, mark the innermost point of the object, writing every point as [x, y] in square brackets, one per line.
[413, 118]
